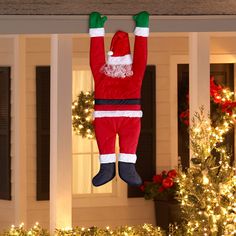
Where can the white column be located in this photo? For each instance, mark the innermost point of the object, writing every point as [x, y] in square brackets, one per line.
[19, 160]
[199, 72]
[61, 132]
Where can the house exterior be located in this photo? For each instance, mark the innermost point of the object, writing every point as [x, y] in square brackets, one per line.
[201, 34]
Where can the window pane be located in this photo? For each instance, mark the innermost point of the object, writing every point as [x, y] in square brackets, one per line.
[82, 174]
[82, 81]
[80, 145]
[95, 146]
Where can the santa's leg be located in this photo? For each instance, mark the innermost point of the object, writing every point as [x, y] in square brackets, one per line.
[105, 131]
[129, 131]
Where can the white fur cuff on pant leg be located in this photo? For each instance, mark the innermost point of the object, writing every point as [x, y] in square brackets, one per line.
[129, 158]
[107, 158]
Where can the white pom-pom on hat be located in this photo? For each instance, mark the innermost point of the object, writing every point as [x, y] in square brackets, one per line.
[109, 53]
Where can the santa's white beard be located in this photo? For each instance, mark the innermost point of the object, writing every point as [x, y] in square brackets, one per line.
[117, 71]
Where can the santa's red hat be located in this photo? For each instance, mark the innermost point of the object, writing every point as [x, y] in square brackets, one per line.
[119, 53]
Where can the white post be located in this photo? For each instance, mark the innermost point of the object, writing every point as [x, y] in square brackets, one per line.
[199, 72]
[61, 132]
[19, 163]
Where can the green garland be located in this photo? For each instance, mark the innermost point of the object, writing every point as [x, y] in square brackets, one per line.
[82, 111]
[20, 230]
[139, 230]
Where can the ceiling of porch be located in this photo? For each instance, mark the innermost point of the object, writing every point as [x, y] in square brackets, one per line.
[117, 7]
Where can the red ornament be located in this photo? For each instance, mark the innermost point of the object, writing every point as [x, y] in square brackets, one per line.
[161, 189]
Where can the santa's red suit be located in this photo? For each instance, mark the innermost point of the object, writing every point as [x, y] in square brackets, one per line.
[118, 84]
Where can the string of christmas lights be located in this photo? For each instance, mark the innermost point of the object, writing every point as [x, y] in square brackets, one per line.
[207, 190]
[20, 230]
[37, 230]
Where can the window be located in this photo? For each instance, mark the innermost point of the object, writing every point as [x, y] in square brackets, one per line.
[223, 74]
[85, 152]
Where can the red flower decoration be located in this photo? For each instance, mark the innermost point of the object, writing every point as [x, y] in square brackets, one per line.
[172, 174]
[168, 182]
[142, 188]
[162, 186]
[161, 189]
[164, 172]
[215, 90]
[186, 122]
[184, 114]
[228, 106]
[216, 93]
[157, 178]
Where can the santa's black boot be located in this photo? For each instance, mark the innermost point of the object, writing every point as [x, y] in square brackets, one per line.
[129, 174]
[106, 173]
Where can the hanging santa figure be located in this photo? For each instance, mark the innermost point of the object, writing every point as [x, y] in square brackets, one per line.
[117, 110]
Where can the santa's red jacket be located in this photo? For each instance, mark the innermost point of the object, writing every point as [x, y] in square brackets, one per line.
[117, 95]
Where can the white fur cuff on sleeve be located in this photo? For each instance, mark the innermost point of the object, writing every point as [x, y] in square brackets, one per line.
[141, 31]
[96, 32]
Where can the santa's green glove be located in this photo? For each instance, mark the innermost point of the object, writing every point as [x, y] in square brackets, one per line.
[142, 24]
[96, 24]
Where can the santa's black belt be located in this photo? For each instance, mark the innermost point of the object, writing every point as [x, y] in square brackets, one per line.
[117, 101]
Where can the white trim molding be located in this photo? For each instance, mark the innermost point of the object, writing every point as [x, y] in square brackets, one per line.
[96, 32]
[199, 73]
[123, 60]
[48, 24]
[107, 158]
[128, 158]
[141, 31]
[100, 114]
[61, 132]
[19, 137]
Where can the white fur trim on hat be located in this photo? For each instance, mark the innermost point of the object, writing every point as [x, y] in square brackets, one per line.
[123, 60]
[107, 158]
[96, 32]
[141, 31]
[128, 158]
[100, 114]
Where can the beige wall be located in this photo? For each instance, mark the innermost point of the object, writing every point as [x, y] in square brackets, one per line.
[122, 210]
[7, 59]
[37, 54]
[160, 51]
[223, 45]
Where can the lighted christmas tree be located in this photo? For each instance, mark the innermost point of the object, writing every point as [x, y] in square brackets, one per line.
[208, 189]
